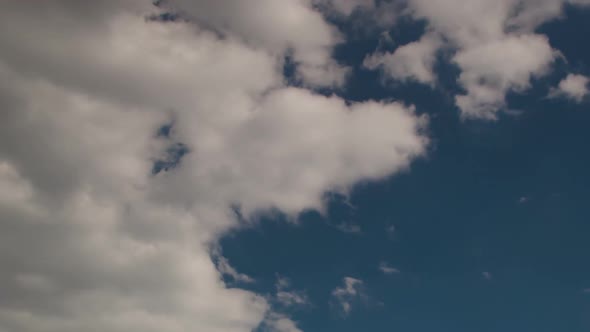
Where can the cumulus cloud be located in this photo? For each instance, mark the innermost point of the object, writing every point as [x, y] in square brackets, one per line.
[351, 291]
[490, 70]
[279, 323]
[278, 27]
[413, 61]
[91, 239]
[494, 45]
[574, 87]
[496, 48]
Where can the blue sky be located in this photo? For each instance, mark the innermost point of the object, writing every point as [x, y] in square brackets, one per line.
[294, 166]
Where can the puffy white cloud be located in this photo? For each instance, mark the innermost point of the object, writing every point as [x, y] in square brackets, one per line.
[352, 290]
[279, 323]
[413, 61]
[496, 50]
[573, 86]
[495, 45]
[90, 239]
[491, 70]
[278, 27]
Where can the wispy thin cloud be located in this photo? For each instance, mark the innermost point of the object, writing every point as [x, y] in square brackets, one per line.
[225, 268]
[345, 295]
[287, 297]
[387, 269]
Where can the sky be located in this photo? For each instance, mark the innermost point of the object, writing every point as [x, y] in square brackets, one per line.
[294, 166]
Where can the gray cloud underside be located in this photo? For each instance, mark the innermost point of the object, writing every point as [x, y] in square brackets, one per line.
[90, 239]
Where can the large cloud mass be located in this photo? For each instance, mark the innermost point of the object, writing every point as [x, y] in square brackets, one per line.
[91, 239]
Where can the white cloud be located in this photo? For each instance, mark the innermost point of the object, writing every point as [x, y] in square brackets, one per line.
[386, 268]
[279, 323]
[348, 227]
[413, 61]
[487, 275]
[496, 50]
[345, 296]
[225, 268]
[277, 26]
[574, 87]
[490, 70]
[495, 46]
[90, 240]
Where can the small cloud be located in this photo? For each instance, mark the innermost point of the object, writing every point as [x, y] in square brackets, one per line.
[390, 231]
[385, 41]
[289, 298]
[349, 228]
[574, 87]
[292, 298]
[523, 199]
[487, 275]
[282, 283]
[586, 291]
[348, 293]
[226, 269]
[387, 269]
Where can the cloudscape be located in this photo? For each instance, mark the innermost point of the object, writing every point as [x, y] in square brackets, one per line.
[294, 165]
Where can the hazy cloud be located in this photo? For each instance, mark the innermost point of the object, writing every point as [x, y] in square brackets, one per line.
[346, 295]
[387, 269]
